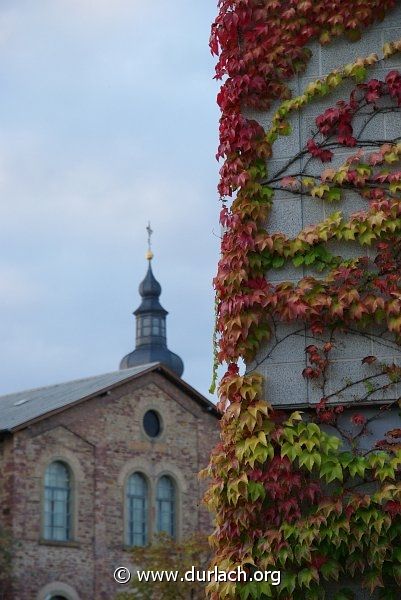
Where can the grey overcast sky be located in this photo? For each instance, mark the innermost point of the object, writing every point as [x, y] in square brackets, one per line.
[107, 119]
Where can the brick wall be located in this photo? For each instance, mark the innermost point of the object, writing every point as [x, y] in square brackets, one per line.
[103, 442]
[6, 484]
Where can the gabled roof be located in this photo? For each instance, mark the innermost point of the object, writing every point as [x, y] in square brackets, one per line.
[19, 409]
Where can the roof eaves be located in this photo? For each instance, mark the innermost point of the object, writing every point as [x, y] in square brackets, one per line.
[206, 404]
[98, 392]
[199, 398]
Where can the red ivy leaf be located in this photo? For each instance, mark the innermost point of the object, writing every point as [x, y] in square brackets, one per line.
[368, 360]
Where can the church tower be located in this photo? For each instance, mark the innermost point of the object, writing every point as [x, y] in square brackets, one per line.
[151, 338]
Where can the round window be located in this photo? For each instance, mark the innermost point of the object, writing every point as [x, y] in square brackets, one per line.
[151, 423]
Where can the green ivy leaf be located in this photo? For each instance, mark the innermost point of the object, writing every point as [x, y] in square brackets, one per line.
[278, 261]
[289, 450]
[344, 594]
[256, 490]
[288, 582]
[331, 469]
[397, 554]
[298, 260]
[333, 195]
[306, 576]
[330, 569]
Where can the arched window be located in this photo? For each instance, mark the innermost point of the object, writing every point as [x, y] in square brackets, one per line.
[57, 517]
[165, 499]
[137, 504]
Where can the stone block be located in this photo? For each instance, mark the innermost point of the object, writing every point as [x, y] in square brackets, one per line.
[393, 34]
[351, 345]
[314, 391]
[286, 216]
[342, 52]
[381, 421]
[285, 385]
[384, 344]
[346, 249]
[393, 126]
[366, 129]
[313, 68]
[288, 344]
[278, 169]
[319, 105]
[313, 211]
[308, 128]
[342, 376]
[339, 374]
[286, 273]
[288, 145]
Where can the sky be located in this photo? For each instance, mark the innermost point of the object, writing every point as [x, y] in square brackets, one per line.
[108, 119]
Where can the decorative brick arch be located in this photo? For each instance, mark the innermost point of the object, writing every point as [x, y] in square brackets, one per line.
[77, 477]
[144, 468]
[166, 468]
[152, 473]
[57, 588]
[171, 470]
[137, 464]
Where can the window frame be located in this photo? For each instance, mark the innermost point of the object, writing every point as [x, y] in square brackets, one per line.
[152, 473]
[146, 326]
[162, 433]
[69, 502]
[173, 501]
[129, 529]
[160, 424]
[150, 326]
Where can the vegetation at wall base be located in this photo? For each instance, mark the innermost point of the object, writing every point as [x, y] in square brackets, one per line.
[165, 554]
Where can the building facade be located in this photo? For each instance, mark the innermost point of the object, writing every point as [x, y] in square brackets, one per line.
[90, 468]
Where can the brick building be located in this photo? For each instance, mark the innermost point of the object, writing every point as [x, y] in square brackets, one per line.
[90, 468]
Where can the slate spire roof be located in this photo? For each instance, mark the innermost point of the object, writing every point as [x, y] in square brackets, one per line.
[151, 338]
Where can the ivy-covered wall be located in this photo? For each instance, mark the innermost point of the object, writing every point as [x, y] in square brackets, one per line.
[283, 362]
[308, 294]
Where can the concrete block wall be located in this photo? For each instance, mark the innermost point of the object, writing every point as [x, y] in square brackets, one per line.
[283, 359]
[282, 363]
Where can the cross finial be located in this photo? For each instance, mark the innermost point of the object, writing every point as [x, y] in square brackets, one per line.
[149, 254]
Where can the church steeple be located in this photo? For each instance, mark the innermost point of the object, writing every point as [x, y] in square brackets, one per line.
[151, 339]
